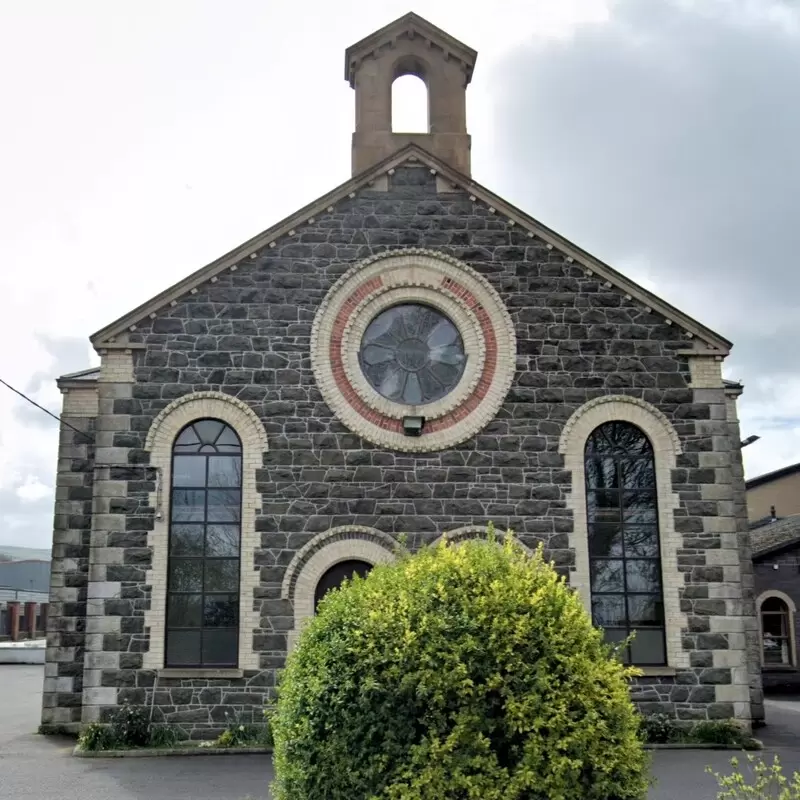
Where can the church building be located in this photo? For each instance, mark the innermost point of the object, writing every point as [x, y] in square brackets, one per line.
[408, 355]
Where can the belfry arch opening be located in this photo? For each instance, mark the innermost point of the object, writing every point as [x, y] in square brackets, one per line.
[410, 104]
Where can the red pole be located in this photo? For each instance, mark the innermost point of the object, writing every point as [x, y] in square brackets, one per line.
[30, 619]
[13, 619]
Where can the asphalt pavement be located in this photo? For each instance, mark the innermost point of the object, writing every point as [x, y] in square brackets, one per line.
[34, 767]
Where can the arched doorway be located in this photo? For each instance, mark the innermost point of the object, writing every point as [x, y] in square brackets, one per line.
[337, 574]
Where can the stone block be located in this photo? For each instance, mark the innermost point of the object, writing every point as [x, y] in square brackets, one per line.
[100, 696]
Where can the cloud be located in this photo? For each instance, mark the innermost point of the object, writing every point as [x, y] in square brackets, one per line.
[29, 437]
[32, 490]
[664, 140]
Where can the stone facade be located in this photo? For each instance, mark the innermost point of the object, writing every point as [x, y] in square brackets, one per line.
[234, 342]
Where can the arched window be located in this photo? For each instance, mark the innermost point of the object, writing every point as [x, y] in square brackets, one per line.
[410, 105]
[334, 577]
[624, 552]
[776, 633]
[204, 534]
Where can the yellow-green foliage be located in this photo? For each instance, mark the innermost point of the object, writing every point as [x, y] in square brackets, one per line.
[466, 672]
[763, 782]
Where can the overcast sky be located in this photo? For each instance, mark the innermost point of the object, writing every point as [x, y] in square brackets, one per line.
[140, 139]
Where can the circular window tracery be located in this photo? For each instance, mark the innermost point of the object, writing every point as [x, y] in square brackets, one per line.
[413, 312]
[412, 353]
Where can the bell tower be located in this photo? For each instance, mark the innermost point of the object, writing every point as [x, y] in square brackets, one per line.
[410, 46]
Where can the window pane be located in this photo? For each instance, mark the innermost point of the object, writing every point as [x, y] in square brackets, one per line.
[187, 442]
[637, 474]
[186, 575]
[774, 624]
[643, 576]
[774, 604]
[183, 648]
[188, 506]
[221, 610]
[639, 508]
[605, 540]
[184, 611]
[641, 541]
[208, 430]
[603, 506]
[222, 575]
[225, 471]
[776, 651]
[188, 471]
[645, 609]
[608, 609]
[222, 540]
[224, 505]
[186, 540]
[228, 441]
[616, 635]
[220, 647]
[648, 647]
[601, 473]
[607, 576]
[628, 439]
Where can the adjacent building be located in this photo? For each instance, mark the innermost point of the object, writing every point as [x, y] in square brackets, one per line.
[407, 355]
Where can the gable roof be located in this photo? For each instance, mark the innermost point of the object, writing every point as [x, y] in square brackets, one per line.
[774, 536]
[411, 25]
[706, 341]
[768, 477]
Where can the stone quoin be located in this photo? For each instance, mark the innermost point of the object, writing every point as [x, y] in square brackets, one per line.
[407, 355]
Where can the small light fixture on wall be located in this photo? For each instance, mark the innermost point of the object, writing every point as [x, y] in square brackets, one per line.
[412, 426]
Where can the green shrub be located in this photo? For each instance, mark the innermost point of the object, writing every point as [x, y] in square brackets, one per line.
[162, 736]
[464, 671]
[660, 729]
[130, 726]
[239, 733]
[97, 736]
[723, 731]
[762, 782]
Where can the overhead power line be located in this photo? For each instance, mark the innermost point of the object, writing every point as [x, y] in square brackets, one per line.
[49, 413]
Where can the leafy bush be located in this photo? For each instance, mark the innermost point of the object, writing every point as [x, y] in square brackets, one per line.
[464, 671]
[97, 736]
[763, 782]
[239, 733]
[162, 736]
[660, 729]
[724, 731]
[130, 726]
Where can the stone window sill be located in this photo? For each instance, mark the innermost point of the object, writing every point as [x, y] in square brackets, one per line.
[779, 668]
[653, 672]
[174, 672]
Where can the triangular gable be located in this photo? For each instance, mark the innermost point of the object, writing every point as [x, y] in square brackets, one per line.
[706, 341]
[410, 25]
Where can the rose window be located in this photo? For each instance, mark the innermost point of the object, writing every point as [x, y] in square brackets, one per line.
[412, 354]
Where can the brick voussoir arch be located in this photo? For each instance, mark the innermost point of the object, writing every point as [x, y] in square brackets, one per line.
[166, 426]
[468, 532]
[310, 563]
[666, 449]
[196, 405]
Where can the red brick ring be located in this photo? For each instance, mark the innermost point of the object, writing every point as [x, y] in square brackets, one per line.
[402, 276]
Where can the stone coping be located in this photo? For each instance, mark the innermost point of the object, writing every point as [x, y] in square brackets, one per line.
[755, 744]
[179, 750]
[192, 750]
